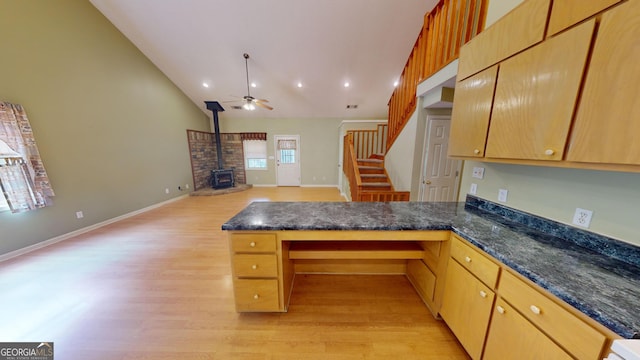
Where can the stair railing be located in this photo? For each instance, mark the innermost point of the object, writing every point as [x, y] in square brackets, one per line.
[352, 172]
[446, 28]
[370, 142]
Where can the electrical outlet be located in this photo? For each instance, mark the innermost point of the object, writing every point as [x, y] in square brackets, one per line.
[478, 172]
[473, 189]
[502, 195]
[79, 215]
[186, 186]
[166, 191]
[582, 217]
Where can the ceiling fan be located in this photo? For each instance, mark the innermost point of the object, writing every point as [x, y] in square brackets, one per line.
[249, 101]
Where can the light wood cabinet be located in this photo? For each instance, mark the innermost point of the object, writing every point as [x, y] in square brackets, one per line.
[523, 27]
[535, 97]
[254, 264]
[579, 339]
[513, 337]
[525, 323]
[467, 301]
[473, 99]
[608, 116]
[569, 12]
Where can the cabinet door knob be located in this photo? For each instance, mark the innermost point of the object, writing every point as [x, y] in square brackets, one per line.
[252, 244]
[256, 296]
[500, 309]
[534, 309]
[549, 152]
[467, 259]
[476, 151]
[254, 266]
[483, 294]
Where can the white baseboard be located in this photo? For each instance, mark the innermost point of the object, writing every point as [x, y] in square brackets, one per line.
[320, 186]
[83, 230]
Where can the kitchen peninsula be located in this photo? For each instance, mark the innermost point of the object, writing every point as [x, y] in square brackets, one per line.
[594, 279]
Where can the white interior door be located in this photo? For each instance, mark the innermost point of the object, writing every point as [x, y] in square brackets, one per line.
[440, 175]
[287, 160]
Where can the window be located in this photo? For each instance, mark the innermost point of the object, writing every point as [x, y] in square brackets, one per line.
[288, 156]
[255, 154]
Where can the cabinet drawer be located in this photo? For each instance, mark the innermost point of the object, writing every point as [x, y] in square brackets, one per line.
[256, 295]
[253, 242]
[474, 261]
[578, 338]
[255, 265]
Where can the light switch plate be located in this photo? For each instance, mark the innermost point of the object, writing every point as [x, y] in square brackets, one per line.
[582, 217]
[502, 195]
[473, 189]
[478, 172]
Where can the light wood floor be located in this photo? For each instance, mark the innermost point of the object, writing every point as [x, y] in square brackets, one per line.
[158, 286]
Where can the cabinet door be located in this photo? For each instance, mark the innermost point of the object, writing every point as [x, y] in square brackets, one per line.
[536, 96]
[608, 119]
[466, 307]
[568, 12]
[470, 114]
[511, 336]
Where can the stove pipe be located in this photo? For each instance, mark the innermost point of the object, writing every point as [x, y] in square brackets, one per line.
[215, 106]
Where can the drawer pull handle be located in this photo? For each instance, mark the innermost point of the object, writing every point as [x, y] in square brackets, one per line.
[483, 294]
[534, 309]
[476, 151]
[256, 296]
[549, 152]
[467, 259]
[252, 244]
[500, 309]
[254, 266]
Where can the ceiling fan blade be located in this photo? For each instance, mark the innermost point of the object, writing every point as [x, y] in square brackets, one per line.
[262, 105]
[262, 100]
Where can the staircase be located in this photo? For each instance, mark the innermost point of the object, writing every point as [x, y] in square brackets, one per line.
[364, 166]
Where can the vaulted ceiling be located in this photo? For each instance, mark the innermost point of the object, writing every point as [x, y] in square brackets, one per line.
[318, 44]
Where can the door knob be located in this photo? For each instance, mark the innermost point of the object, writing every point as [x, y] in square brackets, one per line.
[428, 182]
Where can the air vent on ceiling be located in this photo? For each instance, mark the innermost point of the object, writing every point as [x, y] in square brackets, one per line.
[236, 107]
[352, 106]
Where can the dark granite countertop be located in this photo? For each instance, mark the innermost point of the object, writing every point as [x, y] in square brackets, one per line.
[597, 275]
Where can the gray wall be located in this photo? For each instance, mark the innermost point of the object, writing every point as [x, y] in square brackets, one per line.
[110, 127]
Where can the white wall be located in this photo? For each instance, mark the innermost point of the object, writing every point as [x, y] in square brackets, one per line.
[399, 159]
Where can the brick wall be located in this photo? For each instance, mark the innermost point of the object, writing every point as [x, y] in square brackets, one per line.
[202, 149]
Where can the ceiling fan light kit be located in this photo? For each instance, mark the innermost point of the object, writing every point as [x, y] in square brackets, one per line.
[249, 102]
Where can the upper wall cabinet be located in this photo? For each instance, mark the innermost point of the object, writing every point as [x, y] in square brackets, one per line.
[608, 118]
[569, 100]
[474, 97]
[535, 97]
[523, 27]
[569, 12]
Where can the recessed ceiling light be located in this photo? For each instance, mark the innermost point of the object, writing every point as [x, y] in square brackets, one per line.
[299, 84]
[253, 84]
[205, 84]
[346, 84]
[395, 83]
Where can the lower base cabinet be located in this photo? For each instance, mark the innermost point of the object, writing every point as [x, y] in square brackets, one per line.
[512, 336]
[525, 322]
[466, 308]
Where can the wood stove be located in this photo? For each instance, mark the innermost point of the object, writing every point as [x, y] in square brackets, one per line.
[221, 178]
